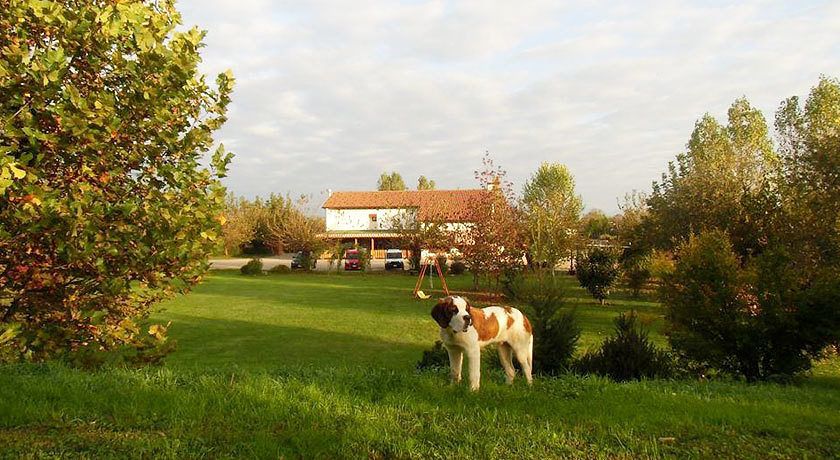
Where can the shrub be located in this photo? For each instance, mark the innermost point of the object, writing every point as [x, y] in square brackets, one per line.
[597, 272]
[457, 268]
[556, 333]
[280, 269]
[434, 358]
[627, 355]
[758, 320]
[253, 267]
[555, 340]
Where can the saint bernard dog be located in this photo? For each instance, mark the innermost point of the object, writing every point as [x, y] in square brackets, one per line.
[465, 330]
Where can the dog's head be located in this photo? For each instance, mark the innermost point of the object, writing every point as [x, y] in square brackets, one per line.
[454, 312]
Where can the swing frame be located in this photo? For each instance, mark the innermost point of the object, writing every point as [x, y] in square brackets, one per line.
[430, 261]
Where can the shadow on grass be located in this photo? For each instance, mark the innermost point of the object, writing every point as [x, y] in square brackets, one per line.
[206, 342]
[366, 298]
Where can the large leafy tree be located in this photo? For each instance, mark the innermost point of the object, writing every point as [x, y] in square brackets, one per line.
[756, 293]
[595, 225]
[551, 211]
[104, 111]
[293, 230]
[240, 223]
[809, 145]
[393, 181]
[720, 182]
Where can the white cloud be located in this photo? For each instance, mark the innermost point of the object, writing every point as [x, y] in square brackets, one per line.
[331, 93]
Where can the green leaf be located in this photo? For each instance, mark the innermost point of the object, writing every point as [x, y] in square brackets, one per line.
[17, 172]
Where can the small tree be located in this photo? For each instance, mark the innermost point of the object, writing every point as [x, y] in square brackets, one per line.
[551, 211]
[493, 241]
[393, 181]
[336, 254]
[597, 272]
[365, 258]
[595, 225]
[631, 224]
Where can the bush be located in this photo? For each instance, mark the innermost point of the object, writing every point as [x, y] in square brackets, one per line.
[556, 333]
[457, 268]
[280, 269]
[136, 345]
[253, 267]
[597, 272]
[627, 355]
[757, 320]
[555, 340]
[434, 358]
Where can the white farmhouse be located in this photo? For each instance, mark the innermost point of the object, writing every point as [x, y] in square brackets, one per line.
[368, 218]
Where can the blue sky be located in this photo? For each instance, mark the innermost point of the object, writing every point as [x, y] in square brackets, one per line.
[331, 93]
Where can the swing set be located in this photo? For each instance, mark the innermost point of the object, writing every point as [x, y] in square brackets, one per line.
[430, 261]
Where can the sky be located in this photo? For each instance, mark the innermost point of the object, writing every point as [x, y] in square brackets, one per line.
[329, 94]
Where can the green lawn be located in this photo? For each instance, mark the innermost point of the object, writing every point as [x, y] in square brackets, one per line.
[323, 366]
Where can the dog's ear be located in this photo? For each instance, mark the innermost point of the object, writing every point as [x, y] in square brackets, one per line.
[442, 312]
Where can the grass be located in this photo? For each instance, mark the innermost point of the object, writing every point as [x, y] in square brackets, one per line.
[323, 366]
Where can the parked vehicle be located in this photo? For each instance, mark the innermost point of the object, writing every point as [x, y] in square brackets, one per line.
[394, 259]
[352, 259]
[297, 261]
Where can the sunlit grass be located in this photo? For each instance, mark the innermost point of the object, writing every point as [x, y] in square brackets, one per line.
[323, 366]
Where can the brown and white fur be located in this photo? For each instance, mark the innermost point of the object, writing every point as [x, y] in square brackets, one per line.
[465, 330]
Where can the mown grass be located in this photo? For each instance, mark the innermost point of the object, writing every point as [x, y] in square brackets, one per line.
[319, 366]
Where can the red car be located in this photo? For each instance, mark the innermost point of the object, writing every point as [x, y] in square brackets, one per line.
[352, 260]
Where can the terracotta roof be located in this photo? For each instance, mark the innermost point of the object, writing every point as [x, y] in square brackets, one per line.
[441, 205]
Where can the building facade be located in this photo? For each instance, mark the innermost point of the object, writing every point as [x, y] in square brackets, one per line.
[375, 220]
